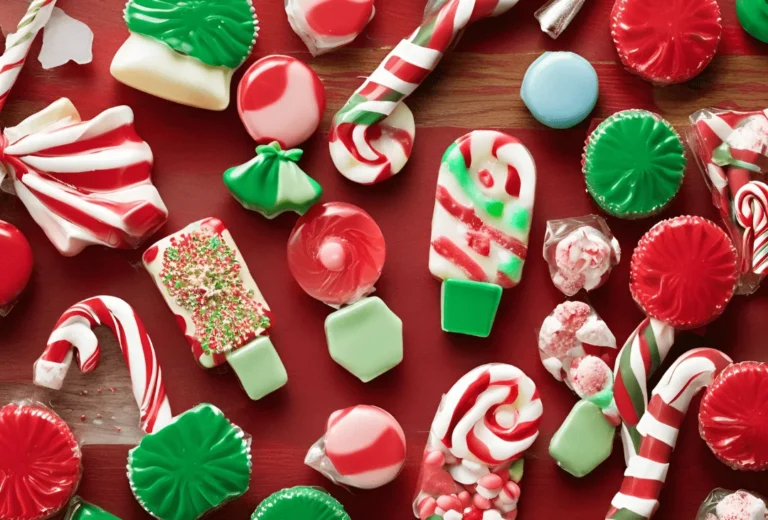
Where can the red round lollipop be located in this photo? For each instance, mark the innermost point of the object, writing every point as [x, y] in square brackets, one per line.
[684, 271]
[733, 418]
[336, 252]
[15, 265]
[39, 462]
[666, 41]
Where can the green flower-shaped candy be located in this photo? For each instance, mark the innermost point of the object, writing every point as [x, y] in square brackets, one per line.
[300, 503]
[196, 463]
[220, 33]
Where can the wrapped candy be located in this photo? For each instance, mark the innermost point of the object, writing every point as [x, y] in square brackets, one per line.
[40, 462]
[658, 430]
[485, 423]
[363, 447]
[186, 52]
[372, 135]
[732, 151]
[15, 265]
[580, 252]
[205, 282]
[325, 25]
[336, 254]
[556, 15]
[84, 182]
[722, 504]
[480, 227]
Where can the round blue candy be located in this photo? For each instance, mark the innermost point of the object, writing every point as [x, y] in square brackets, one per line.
[560, 89]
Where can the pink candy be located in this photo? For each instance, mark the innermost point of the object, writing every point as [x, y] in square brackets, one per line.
[325, 25]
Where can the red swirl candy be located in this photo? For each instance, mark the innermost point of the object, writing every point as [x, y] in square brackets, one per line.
[684, 271]
[336, 253]
[733, 418]
[15, 265]
[39, 463]
[666, 41]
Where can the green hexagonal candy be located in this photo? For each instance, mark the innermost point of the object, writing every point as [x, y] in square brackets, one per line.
[196, 463]
[300, 503]
[583, 441]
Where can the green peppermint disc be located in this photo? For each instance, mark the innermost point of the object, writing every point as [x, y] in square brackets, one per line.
[300, 503]
[196, 463]
[634, 164]
[753, 16]
[220, 33]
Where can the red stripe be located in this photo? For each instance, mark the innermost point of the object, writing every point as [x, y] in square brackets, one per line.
[665, 413]
[442, 33]
[9, 66]
[386, 450]
[447, 249]
[653, 449]
[405, 70]
[103, 180]
[648, 489]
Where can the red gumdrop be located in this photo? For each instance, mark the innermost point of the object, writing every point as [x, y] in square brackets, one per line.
[15, 264]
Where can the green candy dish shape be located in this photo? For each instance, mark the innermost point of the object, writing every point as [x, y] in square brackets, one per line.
[272, 182]
[197, 463]
[220, 33]
[634, 164]
[300, 503]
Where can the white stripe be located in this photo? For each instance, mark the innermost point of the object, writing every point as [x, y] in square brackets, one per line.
[125, 155]
[640, 467]
[718, 126]
[380, 107]
[648, 425]
[385, 78]
[362, 145]
[463, 14]
[416, 54]
[639, 506]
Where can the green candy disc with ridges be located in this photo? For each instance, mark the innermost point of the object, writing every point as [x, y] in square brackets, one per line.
[634, 164]
[753, 16]
[300, 503]
[220, 33]
[194, 464]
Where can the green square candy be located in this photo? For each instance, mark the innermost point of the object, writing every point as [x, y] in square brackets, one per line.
[259, 367]
[366, 338]
[469, 307]
[583, 441]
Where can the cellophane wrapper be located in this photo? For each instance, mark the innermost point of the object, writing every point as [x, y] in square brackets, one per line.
[708, 509]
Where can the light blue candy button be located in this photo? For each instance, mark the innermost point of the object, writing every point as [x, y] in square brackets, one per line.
[560, 89]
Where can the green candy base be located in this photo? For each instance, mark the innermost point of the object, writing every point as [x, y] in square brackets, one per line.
[469, 307]
[259, 368]
[584, 440]
[300, 503]
[79, 509]
[366, 338]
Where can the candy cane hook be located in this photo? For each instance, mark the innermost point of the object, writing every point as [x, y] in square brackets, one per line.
[73, 330]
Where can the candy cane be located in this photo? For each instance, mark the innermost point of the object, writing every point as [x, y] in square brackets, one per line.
[401, 72]
[659, 428]
[74, 330]
[17, 45]
[750, 206]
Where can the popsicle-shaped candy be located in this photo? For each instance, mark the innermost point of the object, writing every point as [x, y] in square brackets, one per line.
[480, 227]
[208, 287]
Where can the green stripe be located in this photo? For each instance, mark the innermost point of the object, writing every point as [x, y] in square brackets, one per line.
[22, 40]
[425, 33]
[629, 378]
[653, 348]
[626, 514]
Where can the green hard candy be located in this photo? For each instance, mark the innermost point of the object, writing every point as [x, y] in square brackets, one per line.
[259, 368]
[469, 307]
[300, 503]
[79, 509]
[634, 164]
[753, 16]
[583, 441]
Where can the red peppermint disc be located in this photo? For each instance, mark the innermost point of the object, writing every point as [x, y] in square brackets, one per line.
[336, 252]
[683, 271]
[733, 418]
[15, 265]
[39, 462]
[280, 99]
[666, 41]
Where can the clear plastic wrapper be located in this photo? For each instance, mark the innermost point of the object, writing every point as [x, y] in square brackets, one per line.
[731, 148]
[722, 504]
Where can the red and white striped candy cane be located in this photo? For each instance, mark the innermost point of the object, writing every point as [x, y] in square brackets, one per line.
[659, 427]
[401, 72]
[17, 45]
[74, 330]
[750, 205]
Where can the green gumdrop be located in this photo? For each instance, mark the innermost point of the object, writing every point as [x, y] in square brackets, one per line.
[300, 503]
[79, 509]
[469, 307]
[219, 33]
[583, 441]
[194, 464]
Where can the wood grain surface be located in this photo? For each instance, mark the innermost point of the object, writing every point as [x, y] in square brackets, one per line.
[476, 86]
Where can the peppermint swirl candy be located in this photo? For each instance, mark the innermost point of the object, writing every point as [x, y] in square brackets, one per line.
[750, 206]
[490, 416]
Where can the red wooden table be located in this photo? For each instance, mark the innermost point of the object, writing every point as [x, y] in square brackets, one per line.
[476, 86]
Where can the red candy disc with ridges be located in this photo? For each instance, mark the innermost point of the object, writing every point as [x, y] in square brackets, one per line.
[666, 41]
[684, 271]
[336, 253]
[15, 265]
[40, 465]
[733, 418]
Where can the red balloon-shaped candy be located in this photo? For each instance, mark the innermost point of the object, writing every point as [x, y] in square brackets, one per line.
[336, 252]
[15, 265]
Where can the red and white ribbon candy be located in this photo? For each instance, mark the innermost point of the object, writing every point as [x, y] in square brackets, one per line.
[659, 427]
[750, 205]
[85, 182]
[17, 45]
[73, 330]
